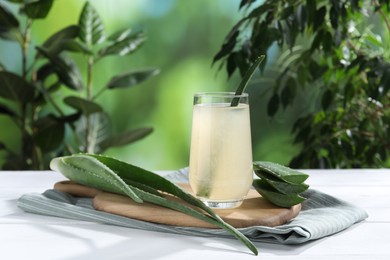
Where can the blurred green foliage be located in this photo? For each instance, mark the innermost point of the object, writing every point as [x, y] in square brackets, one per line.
[183, 37]
[336, 54]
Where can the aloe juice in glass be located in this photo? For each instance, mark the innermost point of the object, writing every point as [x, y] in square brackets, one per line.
[220, 169]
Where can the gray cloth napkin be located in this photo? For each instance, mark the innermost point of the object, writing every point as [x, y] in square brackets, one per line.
[321, 215]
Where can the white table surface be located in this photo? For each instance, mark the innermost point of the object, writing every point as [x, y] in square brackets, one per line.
[29, 236]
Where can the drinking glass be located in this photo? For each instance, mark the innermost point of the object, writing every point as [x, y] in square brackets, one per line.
[220, 169]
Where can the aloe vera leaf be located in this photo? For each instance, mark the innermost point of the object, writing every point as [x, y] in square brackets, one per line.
[287, 188]
[281, 172]
[142, 186]
[272, 195]
[90, 172]
[281, 185]
[130, 172]
[161, 201]
[245, 80]
[81, 168]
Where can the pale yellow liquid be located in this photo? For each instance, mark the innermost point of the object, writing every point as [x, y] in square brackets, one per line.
[221, 152]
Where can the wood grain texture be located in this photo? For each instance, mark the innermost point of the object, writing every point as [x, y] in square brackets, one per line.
[254, 211]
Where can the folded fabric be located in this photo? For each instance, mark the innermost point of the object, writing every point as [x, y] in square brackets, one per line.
[321, 215]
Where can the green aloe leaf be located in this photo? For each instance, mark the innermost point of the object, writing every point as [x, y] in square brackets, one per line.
[128, 171]
[86, 106]
[280, 186]
[275, 197]
[123, 47]
[245, 80]
[131, 78]
[66, 70]
[90, 170]
[91, 26]
[124, 138]
[37, 9]
[15, 88]
[281, 172]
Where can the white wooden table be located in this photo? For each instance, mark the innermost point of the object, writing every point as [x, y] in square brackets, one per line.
[29, 236]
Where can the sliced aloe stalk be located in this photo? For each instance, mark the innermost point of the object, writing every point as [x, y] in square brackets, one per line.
[272, 195]
[280, 172]
[286, 188]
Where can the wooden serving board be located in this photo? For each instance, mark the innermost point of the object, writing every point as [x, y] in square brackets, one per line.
[254, 211]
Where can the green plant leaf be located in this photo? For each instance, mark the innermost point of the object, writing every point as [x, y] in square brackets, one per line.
[319, 18]
[90, 172]
[54, 44]
[260, 10]
[126, 46]
[91, 26]
[45, 71]
[129, 172]
[280, 172]
[86, 106]
[131, 78]
[124, 138]
[49, 133]
[9, 25]
[15, 88]
[311, 7]
[99, 130]
[69, 32]
[273, 105]
[301, 17]
[120, 35]
[37, 9]
[75, 46]
[327, 99]
[7, 19]
[66, 70]
[287, 188]
[227, 47]
[288, 93]
[6, 110]
[281, 186]
[272, 195]
[245, 80]
[16, 1]
[69, 118]
[104, 173]
[231, 64]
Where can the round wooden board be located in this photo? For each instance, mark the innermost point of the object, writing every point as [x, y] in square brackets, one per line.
[254, 211]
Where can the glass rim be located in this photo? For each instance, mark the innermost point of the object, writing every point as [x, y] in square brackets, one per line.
[221, 94]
